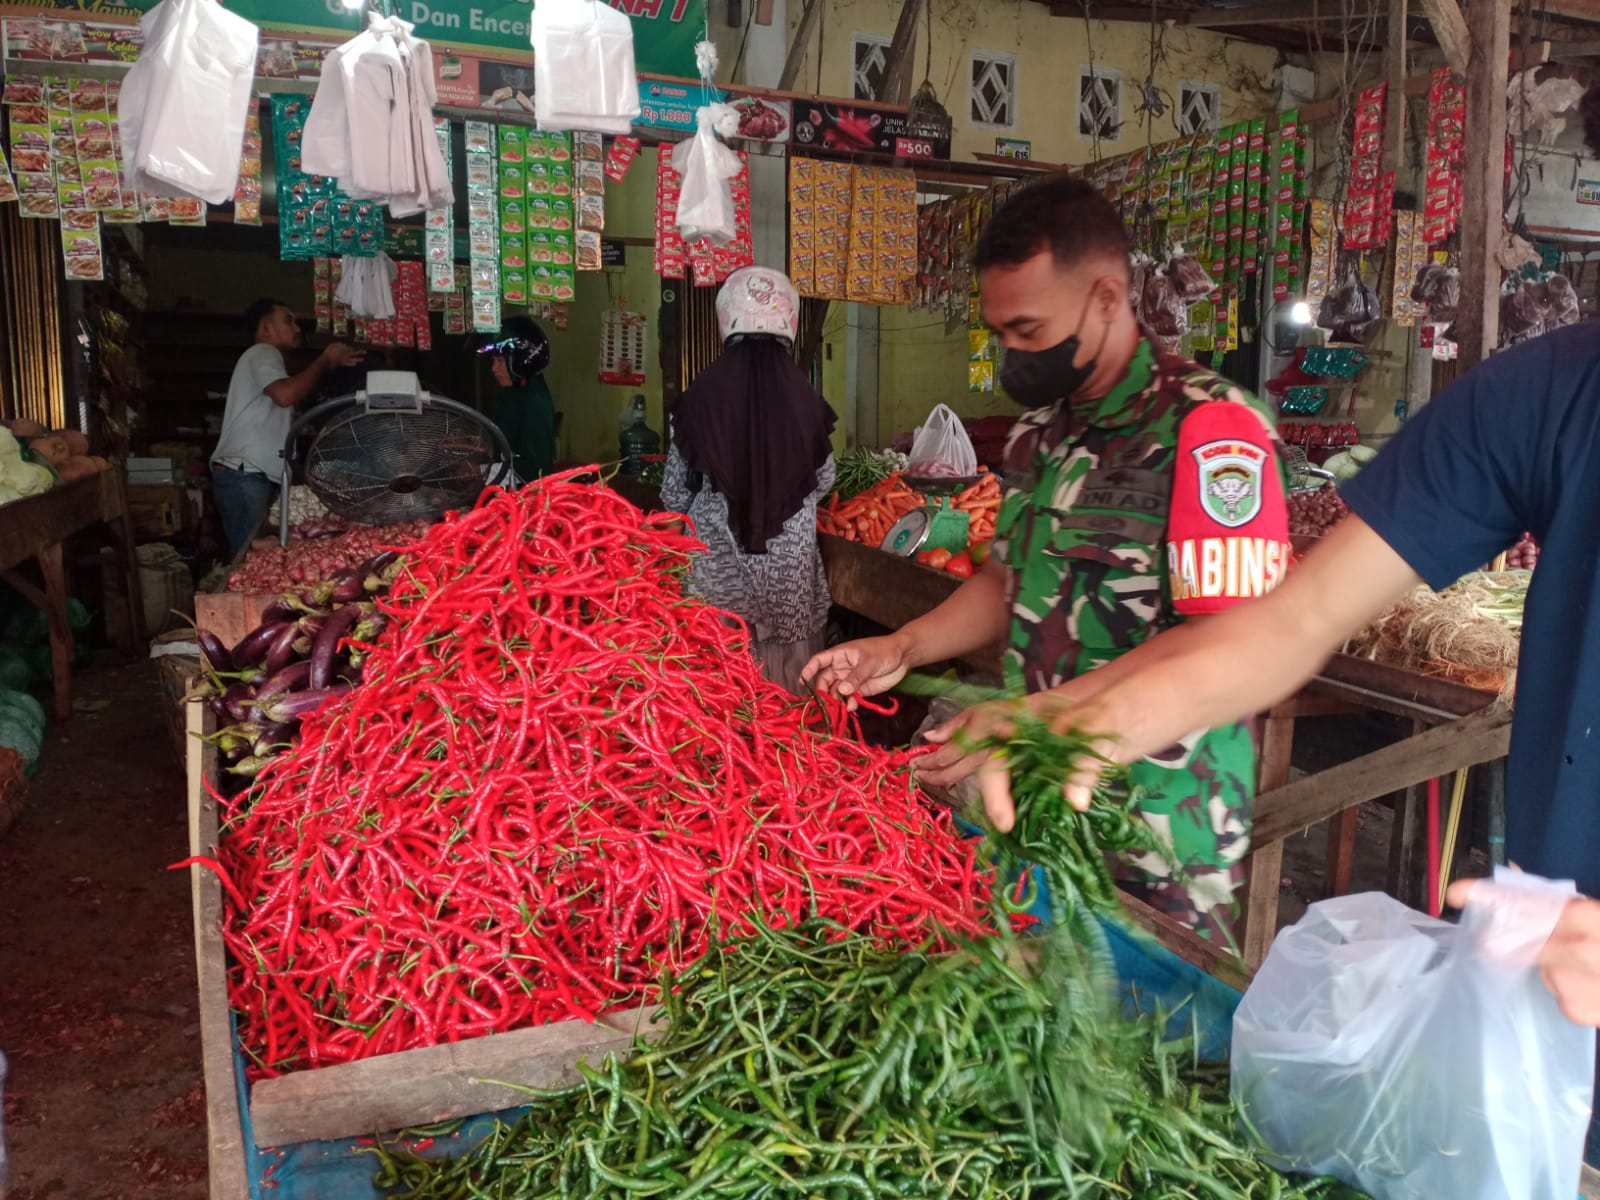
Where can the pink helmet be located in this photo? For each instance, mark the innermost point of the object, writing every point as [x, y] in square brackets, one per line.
[758, 300]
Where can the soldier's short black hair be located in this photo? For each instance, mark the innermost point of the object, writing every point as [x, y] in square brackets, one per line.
[1060, 213]
[259, 312]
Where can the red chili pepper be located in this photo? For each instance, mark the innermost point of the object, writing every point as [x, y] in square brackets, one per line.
[559, 776]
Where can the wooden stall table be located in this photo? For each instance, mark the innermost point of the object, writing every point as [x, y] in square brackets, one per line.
[36, 528]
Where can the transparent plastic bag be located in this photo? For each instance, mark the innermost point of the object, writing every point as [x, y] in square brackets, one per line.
[185, 100]
[1189, 277]
[1165, 313]
[1415, 1059]
[705, 205]
[584, 75]
[942, 448]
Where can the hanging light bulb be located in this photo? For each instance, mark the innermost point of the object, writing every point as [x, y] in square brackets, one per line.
[1300, 314]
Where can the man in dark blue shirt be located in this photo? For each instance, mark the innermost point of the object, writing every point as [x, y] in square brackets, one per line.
[1513, 446]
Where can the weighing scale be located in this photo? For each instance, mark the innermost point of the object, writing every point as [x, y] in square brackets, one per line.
[935, 526]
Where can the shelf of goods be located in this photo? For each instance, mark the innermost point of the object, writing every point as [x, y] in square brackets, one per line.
[1453, 727]
[35, 528]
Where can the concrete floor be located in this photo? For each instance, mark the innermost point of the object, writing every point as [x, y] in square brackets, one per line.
[97, 977]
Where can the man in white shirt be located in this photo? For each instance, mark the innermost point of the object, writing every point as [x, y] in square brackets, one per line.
[247, 466]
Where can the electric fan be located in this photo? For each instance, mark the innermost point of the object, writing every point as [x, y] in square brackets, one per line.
[392, 453]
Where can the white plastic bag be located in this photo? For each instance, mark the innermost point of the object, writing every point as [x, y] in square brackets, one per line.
[705, 204]
[942, 448]
[1418, 1060]
[583, 69]
[185, 100]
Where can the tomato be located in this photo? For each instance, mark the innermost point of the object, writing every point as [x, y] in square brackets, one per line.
[979, 552]
[960, 565]
[934, 558]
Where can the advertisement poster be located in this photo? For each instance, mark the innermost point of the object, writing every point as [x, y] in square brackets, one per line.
[846, 129]
[665, 31]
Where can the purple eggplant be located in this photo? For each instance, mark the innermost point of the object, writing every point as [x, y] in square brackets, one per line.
[280, 610]
[249, 767]
[328, 641]
[291, 679]
[282, 652]
[255, 645]
[285, 710]
[212, 652]
[347, 586]
[236, 702]
[218, 709]
[271, 739]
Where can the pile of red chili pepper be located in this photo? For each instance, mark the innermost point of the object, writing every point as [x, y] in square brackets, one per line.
[559, 777]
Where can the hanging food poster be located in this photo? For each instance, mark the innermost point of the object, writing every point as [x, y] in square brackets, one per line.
[247, 191]
[588, 154]
[483, 227]
[439, 225]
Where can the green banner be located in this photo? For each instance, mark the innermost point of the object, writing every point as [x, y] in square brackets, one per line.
[664, 31]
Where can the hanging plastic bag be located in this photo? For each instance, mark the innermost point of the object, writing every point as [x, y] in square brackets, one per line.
[941, 448]
[1165, 313]
[1188, 276]
[184, 102]
[583, 69]
[1564, 306]
[1522, 316]
[1415, 1059]
[705, 203]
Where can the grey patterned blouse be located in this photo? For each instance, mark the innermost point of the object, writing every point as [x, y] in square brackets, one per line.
[782, 594]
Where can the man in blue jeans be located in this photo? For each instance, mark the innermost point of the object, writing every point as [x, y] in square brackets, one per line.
[247, 466]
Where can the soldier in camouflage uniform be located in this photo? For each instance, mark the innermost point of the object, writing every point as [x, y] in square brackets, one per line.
[1140, 490]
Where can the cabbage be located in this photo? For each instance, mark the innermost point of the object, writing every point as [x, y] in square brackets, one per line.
[1362, 454]
[24, 705]
[1347, 464]
[31, 479]
[20, 736]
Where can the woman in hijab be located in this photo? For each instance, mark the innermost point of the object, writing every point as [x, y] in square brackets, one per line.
[748, 463]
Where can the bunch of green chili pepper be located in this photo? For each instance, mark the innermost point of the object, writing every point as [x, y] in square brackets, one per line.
[811, 1063]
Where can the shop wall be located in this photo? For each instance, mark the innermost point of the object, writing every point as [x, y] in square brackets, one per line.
[920, 366]
[590, 408]
[1048, 51]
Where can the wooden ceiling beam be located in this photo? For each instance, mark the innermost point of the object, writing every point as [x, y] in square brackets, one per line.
[1450, 28]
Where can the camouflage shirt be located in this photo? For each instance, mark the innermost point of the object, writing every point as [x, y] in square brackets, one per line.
[1085, 531]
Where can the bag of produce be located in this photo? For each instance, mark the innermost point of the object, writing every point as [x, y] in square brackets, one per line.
[942, 448]
[1189, 277]
[1165, 313]
[1415, 1059]
[1521, 316]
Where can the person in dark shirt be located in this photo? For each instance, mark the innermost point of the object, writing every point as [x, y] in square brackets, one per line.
[525, 411]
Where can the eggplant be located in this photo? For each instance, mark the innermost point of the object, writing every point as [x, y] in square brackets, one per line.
[284, 710]
[291, 679]
[255, 645]
[347, 586]
[236, 702]
[271, 740]
[212, 652]
[303, 646]
[280, 610]
[249, 767]
[218, 709]
[282, 652]
[380, 571]
[328, 641]
[348, 672]
[369, 628]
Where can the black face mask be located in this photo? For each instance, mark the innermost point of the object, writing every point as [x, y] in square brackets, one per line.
[1037, 378]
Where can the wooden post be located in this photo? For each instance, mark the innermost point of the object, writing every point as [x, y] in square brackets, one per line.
[899, 63]
[802, 42]
[1265, 864]
[1483, 182]
[1394, 72]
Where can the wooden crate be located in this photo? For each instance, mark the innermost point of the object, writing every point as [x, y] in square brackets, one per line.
[392, 1091]
[230, 615]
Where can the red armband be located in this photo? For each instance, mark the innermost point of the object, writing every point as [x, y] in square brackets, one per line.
[1228, 528]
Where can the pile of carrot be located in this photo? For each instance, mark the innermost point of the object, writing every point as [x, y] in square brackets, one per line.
[869, 516]
[981, 502]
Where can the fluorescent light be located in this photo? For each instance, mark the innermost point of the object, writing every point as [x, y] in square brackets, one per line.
[1300, 314]
[353, 5]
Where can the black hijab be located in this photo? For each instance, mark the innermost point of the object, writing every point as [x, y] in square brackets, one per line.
[753, 425]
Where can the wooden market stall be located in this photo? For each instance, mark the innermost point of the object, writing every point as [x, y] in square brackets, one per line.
[36, 528]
